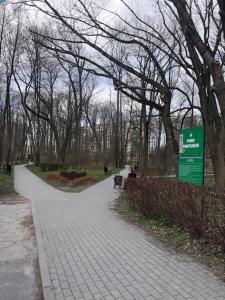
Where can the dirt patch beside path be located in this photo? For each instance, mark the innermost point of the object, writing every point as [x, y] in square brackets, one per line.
[12, 199]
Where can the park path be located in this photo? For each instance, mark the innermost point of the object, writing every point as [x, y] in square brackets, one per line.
[87, 252]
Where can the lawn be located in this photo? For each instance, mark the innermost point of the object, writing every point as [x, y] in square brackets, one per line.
[6, 182]
[99, 174]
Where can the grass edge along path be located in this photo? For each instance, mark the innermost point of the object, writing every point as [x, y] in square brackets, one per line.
[6, 182]
[173, 237]
[99, 174]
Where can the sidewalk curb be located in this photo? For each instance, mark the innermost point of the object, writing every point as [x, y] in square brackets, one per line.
[44, 273]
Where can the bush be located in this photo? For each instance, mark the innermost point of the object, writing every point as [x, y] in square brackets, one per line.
[64, 180]
[57, 177]
[200, 210]
[72, 175]
[49, 166]
[69, 175]
[152, 171]
[83, 180]
[53, 176]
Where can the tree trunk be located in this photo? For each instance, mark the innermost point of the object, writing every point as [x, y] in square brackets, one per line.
[170, 137]
[222, 14]
[8, 122]
[145, 145]
[2, 134]
[216, 143]
[214, 130]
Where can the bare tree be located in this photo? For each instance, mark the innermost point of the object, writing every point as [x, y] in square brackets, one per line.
[202, 51]
[133, 38]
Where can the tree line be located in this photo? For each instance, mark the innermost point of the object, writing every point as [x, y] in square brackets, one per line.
[168, 65]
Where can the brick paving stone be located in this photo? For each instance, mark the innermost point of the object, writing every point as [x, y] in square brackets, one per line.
[87, 251]
[179, 297]
[97, 296]
[59, 297]
[110, 297]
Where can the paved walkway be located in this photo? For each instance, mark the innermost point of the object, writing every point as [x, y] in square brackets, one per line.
[18, 251]
[87, 252]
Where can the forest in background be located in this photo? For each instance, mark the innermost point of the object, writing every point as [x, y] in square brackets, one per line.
[165, 71]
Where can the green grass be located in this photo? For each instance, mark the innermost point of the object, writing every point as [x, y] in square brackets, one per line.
[37, 171]
[159, 226]
[99, 174]
[6, 182]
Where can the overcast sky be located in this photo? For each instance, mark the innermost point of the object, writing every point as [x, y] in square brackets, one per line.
[141, 7]
[144, 7]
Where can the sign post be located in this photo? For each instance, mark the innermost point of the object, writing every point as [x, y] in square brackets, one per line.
[192, 155]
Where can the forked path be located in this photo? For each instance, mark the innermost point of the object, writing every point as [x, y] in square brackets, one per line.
[87, 252]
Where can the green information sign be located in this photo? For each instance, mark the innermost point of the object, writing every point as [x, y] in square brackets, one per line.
[191, 155]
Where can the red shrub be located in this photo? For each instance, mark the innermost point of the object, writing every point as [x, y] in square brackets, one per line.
[57, 177]
[53, 176]
[200, 210]
[83, 180]
[72, 175]
[64, 180]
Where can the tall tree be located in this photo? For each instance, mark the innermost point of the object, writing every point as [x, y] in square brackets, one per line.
[209, 75]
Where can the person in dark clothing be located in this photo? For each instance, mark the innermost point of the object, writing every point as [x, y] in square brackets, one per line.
[132, 172]
[105, 170]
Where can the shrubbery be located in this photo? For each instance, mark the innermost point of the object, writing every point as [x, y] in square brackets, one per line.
[53, 176]
[64, 180]
[57, 177]
[152, 171]
[49, 166]
[200, 210]
[83, 180]
[72, 175]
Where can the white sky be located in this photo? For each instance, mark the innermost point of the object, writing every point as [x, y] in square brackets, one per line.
[141, 7]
